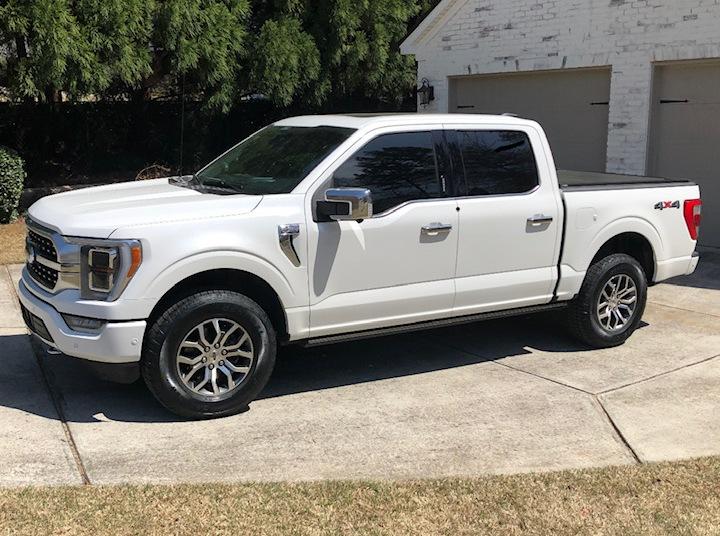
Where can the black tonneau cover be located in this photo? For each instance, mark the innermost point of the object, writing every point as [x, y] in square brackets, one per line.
[588, 180]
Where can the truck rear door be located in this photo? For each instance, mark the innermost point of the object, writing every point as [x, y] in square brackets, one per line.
[510, 217]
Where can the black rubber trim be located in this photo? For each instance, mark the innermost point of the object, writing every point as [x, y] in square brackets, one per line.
[562, 247]
[431, 324]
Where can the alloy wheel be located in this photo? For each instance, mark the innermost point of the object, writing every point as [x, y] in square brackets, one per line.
[215, 357]
[616, 303]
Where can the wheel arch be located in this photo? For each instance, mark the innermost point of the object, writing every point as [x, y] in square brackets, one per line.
[634, 244]
[232, 279]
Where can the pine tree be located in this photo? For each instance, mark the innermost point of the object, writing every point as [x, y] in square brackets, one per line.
[221, 50]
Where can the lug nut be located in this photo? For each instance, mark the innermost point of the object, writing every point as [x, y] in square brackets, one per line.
[212, 367]
[217, 346]
[224, 352]
[222, 363]
[204, 359]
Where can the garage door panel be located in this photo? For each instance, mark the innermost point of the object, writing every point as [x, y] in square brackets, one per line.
[685, 136]
[572, 107]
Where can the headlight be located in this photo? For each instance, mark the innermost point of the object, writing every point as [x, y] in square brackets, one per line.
[106, 266]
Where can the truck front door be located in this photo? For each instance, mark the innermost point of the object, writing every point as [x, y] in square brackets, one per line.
[397, 267]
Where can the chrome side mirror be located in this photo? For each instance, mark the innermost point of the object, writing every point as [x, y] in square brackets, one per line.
[346, 204]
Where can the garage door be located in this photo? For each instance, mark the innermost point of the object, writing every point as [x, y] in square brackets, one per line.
[572, 107]
[685, 133]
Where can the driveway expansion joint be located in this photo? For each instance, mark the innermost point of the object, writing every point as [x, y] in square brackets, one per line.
[658, 375]
[57, 403]
[617, 432]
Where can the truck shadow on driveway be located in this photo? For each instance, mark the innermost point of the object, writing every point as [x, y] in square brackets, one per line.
[707, 274]
[83, 398]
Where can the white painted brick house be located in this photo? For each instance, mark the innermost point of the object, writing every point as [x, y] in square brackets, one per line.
[629, 86]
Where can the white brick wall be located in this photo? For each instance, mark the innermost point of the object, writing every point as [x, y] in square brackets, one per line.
[496, 36]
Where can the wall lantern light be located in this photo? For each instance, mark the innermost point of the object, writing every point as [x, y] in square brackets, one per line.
[426, 92]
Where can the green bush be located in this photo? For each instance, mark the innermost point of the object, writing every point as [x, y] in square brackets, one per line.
[12, 176]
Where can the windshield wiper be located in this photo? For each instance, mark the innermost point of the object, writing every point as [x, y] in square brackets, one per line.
[217, 184]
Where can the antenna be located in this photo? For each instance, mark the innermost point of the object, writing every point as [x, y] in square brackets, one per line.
[182, 124]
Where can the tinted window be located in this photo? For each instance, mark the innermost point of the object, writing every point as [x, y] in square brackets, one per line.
[395, 167]
[275, 159]
[497, 162]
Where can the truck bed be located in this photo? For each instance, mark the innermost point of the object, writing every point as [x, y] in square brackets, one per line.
[588, 180]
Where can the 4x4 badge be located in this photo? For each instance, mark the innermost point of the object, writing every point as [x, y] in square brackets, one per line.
[662, 205]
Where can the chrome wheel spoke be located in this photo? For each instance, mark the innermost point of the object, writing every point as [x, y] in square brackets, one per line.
[192, 372]
[229, 332]
[218, 331]
[204, 381]
[201, 330]
[213, 381]
[189, 360]
[229, 376]
[239, 353]
[235, 368]
[245, 338]
[192, 344]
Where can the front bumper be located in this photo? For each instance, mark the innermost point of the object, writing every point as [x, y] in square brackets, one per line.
[115, 342]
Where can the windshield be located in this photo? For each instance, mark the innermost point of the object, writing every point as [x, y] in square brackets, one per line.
[274, 160]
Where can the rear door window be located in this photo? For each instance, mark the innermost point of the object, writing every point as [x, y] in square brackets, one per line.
[497, 162]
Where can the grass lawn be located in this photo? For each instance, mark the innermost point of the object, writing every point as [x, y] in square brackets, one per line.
[672, 498]
[12, 242]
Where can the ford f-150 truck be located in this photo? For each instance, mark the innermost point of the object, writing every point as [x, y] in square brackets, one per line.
[321, 229]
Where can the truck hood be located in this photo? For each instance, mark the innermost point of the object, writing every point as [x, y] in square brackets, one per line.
[97, 212]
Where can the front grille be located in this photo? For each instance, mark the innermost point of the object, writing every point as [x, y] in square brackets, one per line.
[43, 246]
[35, 324]
[47, 277]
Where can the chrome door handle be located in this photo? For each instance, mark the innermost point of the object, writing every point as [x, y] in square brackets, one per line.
[539, 219]
[436, 227]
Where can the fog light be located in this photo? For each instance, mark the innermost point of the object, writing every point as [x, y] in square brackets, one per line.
[80, 323]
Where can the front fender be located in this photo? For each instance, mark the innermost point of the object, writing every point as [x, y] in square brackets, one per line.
[218, 260]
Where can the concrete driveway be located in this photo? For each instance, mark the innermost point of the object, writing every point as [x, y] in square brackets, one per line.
[497, 397]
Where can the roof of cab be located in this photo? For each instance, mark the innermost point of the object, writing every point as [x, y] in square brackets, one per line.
[358, 121]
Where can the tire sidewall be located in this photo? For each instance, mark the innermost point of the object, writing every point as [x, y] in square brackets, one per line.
[623, 265]
[178, 321]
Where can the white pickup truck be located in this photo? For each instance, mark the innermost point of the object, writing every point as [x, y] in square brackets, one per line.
[322, 229]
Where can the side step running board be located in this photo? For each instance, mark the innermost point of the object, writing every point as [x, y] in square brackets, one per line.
[432, 324]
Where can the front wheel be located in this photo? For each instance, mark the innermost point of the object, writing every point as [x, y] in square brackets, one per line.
[209, 355]
[611, 302]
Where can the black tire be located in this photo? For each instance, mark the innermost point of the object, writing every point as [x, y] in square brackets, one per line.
[583, 319]
[162, 340]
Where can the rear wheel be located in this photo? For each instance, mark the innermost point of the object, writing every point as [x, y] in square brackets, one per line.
[209, 355]
[611, 302]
